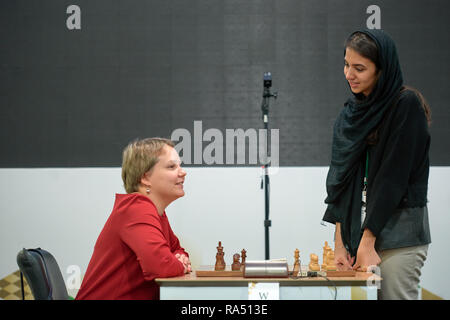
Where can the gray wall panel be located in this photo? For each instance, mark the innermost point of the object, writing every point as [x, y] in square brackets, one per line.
[74, 98]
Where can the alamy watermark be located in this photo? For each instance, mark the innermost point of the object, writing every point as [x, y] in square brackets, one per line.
[73, 281]
[374, 279]
[229, 147]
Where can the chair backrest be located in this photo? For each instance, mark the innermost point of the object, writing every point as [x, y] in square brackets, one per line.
[43, 274]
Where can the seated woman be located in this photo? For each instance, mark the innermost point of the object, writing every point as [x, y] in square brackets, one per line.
[137, 244]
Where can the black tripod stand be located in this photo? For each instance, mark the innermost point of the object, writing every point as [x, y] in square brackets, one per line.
[265, 112]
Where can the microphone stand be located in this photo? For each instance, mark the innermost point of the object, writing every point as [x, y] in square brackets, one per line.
[265, 113]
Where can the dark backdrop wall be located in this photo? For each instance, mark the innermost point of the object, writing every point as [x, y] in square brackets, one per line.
[141, 68]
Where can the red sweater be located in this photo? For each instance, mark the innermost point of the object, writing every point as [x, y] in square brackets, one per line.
[135, 246]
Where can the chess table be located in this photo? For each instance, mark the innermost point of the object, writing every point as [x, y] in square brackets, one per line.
[232, 286]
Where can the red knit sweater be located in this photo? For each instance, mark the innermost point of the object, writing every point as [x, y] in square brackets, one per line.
[135, 246]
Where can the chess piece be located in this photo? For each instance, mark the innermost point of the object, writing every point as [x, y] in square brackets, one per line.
[236, 266]
[314, 262]
[243, 255]
[331, 266]
[326, 249]
[296, 263]
[220, 262]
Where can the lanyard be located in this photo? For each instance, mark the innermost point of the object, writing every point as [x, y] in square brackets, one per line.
[366, 175]
[364, 191]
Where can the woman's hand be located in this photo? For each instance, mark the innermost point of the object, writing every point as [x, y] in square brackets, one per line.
[185, 261]
[366, 255]
[342, 259]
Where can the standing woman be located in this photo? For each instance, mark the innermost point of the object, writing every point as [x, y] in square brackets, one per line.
[137, 243]
[378, 178]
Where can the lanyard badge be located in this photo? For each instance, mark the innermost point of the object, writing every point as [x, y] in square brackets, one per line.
[364, 192]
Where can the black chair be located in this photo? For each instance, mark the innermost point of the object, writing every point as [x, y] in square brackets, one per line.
[43, 275]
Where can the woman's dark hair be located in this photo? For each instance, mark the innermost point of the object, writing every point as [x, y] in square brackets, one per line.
[366, 47]
[372, 138]
[423, 102]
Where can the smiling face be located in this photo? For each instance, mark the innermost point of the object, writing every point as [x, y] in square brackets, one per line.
[360, 72]
[166, 178]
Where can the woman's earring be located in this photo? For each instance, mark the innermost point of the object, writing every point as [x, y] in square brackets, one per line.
[148, 190]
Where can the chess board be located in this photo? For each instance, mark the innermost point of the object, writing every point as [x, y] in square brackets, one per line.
[333, 274]
[208, 271]
[328, 263]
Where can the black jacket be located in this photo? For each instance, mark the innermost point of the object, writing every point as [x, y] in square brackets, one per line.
[397, 179]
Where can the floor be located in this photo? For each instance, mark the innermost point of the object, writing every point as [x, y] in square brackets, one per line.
[10, 288]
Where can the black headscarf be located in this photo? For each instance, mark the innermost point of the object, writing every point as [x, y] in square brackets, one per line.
[360, 116]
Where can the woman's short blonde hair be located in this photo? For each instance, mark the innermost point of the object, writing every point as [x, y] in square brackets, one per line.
[139, 156]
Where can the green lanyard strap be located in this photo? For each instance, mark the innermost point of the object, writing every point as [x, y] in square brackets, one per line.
[366, 176]
[364, 192]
